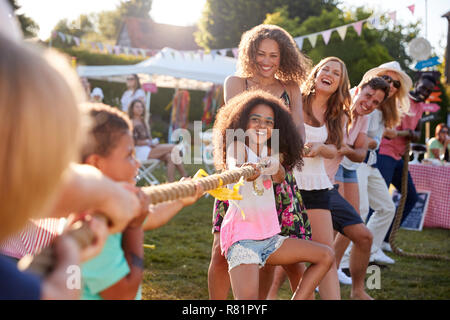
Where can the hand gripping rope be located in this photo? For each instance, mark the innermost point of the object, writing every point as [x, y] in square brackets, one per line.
[43, 263]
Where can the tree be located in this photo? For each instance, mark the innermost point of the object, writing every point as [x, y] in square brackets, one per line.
[360, 53]
[223, 21]
[29, 27]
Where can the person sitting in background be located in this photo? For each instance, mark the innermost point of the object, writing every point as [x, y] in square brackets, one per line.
[134, 91]
[436, 146]
[145, 146]
[97, 95]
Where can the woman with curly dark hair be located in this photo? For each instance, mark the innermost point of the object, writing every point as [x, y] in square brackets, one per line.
[268, 60]
[249, 236]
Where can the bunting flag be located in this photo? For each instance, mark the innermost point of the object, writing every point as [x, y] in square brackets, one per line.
[299, 42]
[235, 52]
[326, 36]
[393, 16]
[358, 26]
[312, 39]
[342, 31]
[372, 22]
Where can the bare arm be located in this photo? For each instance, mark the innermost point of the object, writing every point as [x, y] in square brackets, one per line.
[162, 213]
[316, 149]
[372, 144]
[232, 87]
[297, 109]
[86, 188]
[127, 287]
[358, 152]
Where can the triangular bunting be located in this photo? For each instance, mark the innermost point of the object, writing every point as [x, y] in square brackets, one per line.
[109, 48]
[326, 35]
[69, 38]
[100, 46]
[117, 49]
[93, 46]
[235, 52]
[342, 31]
[299, 42]
[411, 8]
[62, 36]
[393, 16]
[358, 27]
[312, 39]
[77, 41]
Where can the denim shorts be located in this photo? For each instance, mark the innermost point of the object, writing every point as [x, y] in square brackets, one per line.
[345, 175]
[253, 251]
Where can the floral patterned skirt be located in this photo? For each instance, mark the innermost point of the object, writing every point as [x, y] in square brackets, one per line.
[292, 216]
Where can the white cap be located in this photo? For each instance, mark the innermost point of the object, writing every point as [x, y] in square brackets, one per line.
[97, 92]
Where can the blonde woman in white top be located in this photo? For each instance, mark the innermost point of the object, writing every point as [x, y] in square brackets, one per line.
[325, 97]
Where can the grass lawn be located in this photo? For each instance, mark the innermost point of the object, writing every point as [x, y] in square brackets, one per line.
[177, 267]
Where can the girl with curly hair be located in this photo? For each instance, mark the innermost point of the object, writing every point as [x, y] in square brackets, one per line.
[249, 236]
[268, 60]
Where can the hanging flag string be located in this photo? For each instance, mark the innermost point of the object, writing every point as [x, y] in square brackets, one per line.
[372, 21]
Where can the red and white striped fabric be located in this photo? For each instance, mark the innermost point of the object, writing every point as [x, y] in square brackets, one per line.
[435, 179]
[36, 235]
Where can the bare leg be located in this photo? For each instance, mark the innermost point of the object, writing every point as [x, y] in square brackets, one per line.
[322, 232]
[265, 280]
[278, 279]
[296, 250]
[359, 258]
[218, 278]
[245, 281]
[350, 192]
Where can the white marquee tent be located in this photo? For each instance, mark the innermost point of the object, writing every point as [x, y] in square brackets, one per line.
[170, 68]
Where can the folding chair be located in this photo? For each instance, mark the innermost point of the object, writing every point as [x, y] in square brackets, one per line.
[145, 171]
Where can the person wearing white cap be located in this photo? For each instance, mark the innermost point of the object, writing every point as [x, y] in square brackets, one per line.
[373, 191]
[97, 95]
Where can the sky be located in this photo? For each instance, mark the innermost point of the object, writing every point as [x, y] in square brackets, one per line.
[186, 12]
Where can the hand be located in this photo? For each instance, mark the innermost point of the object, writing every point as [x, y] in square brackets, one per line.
[390, 133]
[121, 206]
[313, 149]
[144, 201]
[257, 170]
[198, 193]
[98, 226]
[54, 286]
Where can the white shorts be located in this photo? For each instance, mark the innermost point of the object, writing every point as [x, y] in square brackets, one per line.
[142, 152]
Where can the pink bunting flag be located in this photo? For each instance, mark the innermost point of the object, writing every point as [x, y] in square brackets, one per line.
[326, 36]
[393, 16]
[235, 52]
[411, 8]
[117, 49]
[358, 27]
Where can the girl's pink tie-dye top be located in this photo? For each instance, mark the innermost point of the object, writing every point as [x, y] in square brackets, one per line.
[261, 220]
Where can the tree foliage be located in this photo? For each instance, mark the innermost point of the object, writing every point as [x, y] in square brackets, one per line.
[223, 21]
[29, 27]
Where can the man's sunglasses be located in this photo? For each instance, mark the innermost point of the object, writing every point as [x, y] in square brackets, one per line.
[397, 84]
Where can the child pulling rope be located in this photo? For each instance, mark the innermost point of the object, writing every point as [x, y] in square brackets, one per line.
[43, 263]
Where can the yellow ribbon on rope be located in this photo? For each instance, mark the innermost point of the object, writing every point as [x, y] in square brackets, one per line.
[221, 193]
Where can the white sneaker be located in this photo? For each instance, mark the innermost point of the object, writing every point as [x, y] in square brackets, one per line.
[380, 257]
[385, 246]
[343, 278]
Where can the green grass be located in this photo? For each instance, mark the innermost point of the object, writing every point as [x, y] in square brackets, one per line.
[177, 268]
